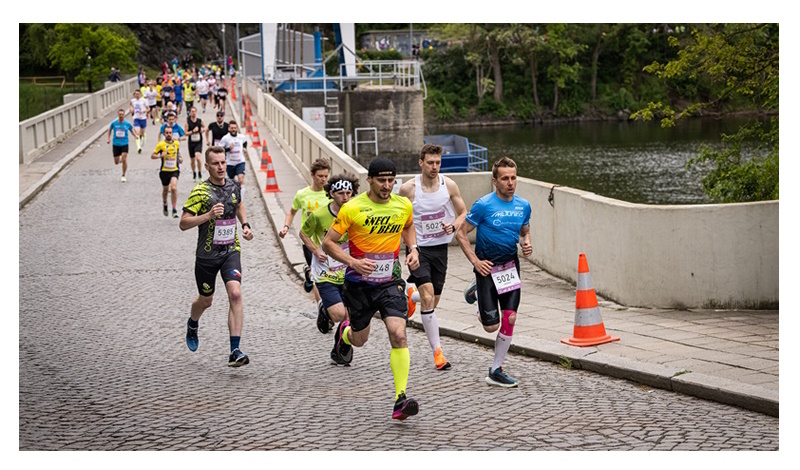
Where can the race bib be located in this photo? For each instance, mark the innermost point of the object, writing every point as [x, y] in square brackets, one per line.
[119, 133]
[505, 277]
[432, 225]
[222, 94]
[331, 267]
[170, 163]
[384, 265]
[195, 137]
[335, 265]
[216, 142]
[224, 231]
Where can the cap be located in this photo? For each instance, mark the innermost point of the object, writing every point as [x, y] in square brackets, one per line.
[382, 167]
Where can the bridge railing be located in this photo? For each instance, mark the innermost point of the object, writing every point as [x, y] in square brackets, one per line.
[44, 131]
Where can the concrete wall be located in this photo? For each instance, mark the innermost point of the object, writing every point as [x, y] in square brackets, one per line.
[44, 131]
[696, 256]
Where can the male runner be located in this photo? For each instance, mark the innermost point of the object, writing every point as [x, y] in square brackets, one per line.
[158, 100]
[235, 146]
[150, 93]
[308, 200]
[202, 91]
[217, 129]
[438, 212]
[221, 95]
[502, 219]
[177, 131]
[139, 110]
[327, 273]
[212, 89]
[214, 205]
[195, 129]
[120, 129]
[177, 93]
[170, 170]
[188, 93]
[375, 222]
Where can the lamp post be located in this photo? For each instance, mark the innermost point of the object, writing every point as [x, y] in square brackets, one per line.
[88, 69]
[224, 64]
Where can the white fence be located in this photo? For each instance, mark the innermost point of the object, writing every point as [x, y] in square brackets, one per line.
[44, 131]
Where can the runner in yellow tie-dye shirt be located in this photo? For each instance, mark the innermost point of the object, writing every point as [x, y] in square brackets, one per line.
[375, 222]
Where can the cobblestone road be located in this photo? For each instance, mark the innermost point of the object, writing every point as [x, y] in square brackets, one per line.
[105, 286]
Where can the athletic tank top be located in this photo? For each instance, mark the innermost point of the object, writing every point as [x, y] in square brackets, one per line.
[430, 211]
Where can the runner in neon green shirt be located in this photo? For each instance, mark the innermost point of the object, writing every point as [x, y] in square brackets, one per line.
[326, 272]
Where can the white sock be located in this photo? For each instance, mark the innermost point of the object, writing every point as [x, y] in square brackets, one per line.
[431, 325]
[501, 345]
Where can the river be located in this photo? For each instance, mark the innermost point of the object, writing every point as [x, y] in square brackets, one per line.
[631, 161]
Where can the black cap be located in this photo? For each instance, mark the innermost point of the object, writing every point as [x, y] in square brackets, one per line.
[382, 167]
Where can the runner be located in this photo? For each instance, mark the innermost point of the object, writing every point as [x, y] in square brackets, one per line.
[120, 129]
[202, 91]
[213, 206]
[177, 93]
[195, 129]
[308, 200]
[150, 94]
[375, 222]
[502, 219]
[170, 169]
[212, 89]
[158, 101]
[139, 110]
[177, 131]
[221, 95]
[438, 212]
[188, 93]
[217, 129]
[327, 273]
[235, 146]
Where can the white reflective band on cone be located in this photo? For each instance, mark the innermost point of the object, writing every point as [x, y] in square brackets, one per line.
[585, 281]
[588, 316]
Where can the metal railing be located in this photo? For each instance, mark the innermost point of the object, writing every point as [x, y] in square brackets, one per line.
[337, 131]
[358, 142]
[380, 73]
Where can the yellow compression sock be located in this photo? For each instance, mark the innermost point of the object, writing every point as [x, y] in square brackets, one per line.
[400, 361]
[344, 335]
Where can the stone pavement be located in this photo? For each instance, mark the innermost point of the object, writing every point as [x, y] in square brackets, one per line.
[726, 356]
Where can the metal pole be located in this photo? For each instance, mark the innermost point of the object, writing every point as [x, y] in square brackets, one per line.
[411, 42]
[224, 64]
[241, 75]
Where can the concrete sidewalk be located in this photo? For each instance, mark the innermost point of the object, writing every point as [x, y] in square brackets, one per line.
[722, 355]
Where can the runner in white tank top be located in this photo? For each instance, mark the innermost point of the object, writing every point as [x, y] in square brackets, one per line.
[438, 212]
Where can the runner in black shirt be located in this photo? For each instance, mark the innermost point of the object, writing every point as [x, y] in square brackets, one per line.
[217, 129]
[194, 130]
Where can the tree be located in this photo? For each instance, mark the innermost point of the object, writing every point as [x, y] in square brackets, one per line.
[474, 40]
[88, 51]
[564, 69]
[739, 62]
[34, 44]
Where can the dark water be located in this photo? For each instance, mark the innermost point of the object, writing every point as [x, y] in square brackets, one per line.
[634, 162]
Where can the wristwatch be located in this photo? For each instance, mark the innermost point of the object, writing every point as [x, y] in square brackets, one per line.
[248, 225]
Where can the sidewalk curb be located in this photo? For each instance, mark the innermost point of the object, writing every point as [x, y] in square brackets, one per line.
[729, 392]
[57, 167]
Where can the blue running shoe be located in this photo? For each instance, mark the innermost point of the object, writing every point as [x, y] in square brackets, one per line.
[308, 284]
[500, 378]
[469, 292]
[238, 358]
[191, 337]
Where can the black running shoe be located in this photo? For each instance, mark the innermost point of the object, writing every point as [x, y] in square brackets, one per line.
[404, 407]
[324, 322]
[238, 358]
[166, 211]
[174, 214]
[308, 285]
[336, 359]
[344, 350]
[191, 337]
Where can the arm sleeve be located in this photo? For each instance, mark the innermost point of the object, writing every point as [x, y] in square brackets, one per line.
[197, 200]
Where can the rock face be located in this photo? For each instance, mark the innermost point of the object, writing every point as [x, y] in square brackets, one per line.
[161, 41]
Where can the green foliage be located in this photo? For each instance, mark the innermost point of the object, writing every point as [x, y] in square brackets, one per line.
[36, 99]
[524, 108]
[495, 108]
[369, 54]
[443, 109]
[34, 44]
[621, 100]
[107, 45]
[735, 63]
[572, 106]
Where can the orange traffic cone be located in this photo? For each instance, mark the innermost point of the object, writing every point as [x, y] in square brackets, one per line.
[589, 329]
[265, 158]
[255, 134]
[412, 304]
[233, 90]
[272, 182]
[256, 144]
[248, 126]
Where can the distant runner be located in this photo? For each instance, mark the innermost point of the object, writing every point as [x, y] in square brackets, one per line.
[119, 129]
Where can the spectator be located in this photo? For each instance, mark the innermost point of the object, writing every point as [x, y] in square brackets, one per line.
[113, 76]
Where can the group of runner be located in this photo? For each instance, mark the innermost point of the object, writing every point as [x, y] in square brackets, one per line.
[351, 241]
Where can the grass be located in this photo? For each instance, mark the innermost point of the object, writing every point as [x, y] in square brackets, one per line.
[36, 99]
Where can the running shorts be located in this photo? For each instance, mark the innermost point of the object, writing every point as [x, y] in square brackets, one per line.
[119, 150]
[330, 293]
[234, 170]
[488, 298]
[363, 300]
[166, 176]
[432, 267]
[140, 123]
[205, 271]
[195, 147]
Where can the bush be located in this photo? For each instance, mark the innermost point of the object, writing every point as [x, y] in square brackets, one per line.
[495, 108]
[443, 108]
[621, 100]
[570, 106]
[369, 54]
[525, 108]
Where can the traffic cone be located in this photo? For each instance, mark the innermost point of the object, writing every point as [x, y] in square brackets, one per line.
[412, 303]
[248, 126]
[265, 158]
[256, 144]
[272, 182]
[254, 135]
[589, 329]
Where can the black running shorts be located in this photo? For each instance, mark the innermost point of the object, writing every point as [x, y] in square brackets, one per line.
[432, 267]
[330, 293]
[363, 300]
[205, 271]
[194, 148]
[166, 176]
[488, 298]
[118, 150]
